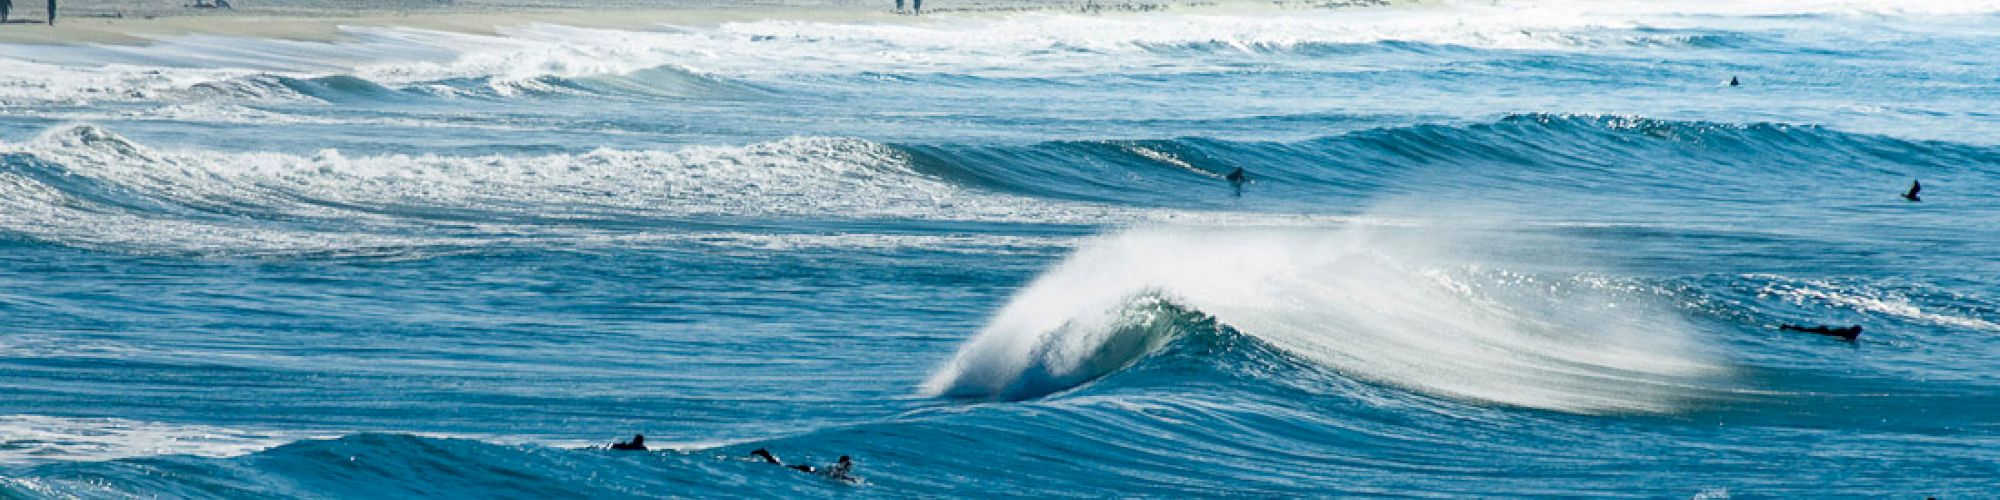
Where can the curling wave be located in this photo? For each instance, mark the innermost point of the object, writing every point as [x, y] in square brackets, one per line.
[1385, 309]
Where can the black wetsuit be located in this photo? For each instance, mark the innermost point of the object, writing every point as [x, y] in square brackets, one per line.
[638, 443]
[840, 469]
[1849, 333]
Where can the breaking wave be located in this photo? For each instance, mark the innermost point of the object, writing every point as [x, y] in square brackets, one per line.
[1384, 309]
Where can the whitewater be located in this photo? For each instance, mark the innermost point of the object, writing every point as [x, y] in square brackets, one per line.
[1494, 249]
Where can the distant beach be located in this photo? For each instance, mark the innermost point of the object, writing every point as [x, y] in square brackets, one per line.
[134, 21]
[126, 22]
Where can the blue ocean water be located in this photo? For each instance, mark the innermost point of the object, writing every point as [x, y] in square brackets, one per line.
[1486, 249]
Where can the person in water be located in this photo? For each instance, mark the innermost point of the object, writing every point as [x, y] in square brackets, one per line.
[773, 460]
[766, 455]
[839, 470]
[1733, 82]
[1849, 333]
[1236, 176]
[638, 443]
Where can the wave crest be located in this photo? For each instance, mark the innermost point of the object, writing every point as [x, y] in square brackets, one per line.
[1383, 308]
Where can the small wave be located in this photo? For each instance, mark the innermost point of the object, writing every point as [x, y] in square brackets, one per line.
[379, 465]
[86, 186]
[715, 61]
[1633, 155]
[1866, 299]
[38, 438]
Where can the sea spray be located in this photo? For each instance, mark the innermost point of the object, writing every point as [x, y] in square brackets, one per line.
[1377, 305]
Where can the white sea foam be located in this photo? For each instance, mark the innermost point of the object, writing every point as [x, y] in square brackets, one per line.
[1393, 310]
[140, 198]
[38, 438]
[1866, 300]
[34, 439]
[1027, 44]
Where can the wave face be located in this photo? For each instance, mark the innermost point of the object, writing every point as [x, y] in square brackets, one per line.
[1350, 302]
[1514, 249]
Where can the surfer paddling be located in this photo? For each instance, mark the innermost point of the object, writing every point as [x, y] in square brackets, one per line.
[638, 443]
[839, 471]
[1846, 333]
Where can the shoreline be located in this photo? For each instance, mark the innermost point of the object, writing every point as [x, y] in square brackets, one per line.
[126, 25]
[328, 27]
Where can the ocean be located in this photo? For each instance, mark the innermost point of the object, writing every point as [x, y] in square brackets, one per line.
[1483, 249]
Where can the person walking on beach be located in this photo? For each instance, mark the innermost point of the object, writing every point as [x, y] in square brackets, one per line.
[916, 7]
[5, 5]
[52, 12]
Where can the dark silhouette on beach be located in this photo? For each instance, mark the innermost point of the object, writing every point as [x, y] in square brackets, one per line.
[52, 12]
[5, 5]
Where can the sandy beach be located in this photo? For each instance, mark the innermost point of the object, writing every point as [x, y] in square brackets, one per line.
[137, 21]
[108, 23]
[131, 21]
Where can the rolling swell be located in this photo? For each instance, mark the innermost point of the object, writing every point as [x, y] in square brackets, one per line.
[86, 186]
[378, 465]
[74, 182]
[1207, 408]
[384, 88]
[1516, 158]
